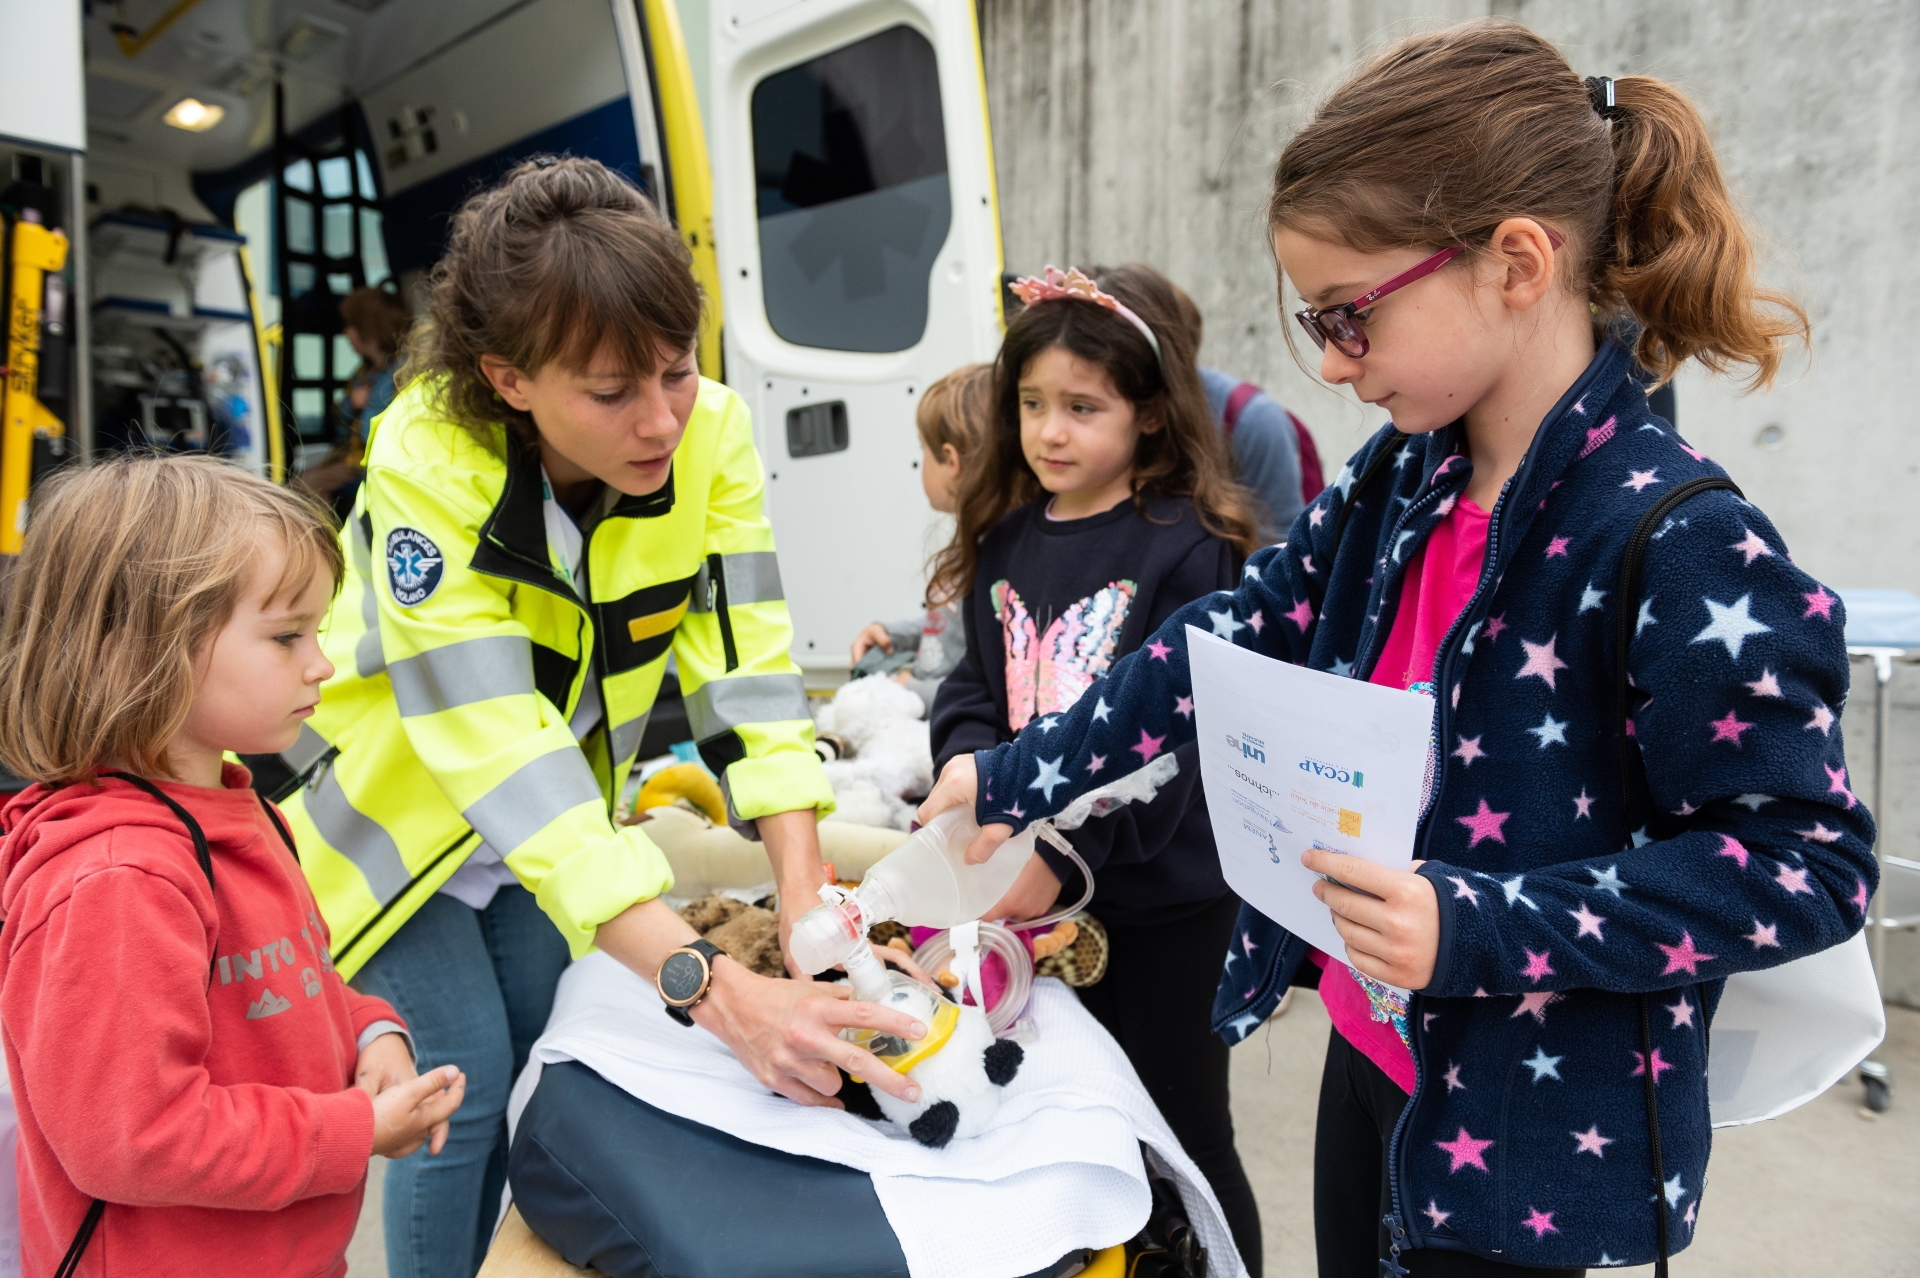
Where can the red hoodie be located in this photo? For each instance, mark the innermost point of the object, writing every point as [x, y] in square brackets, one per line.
[186, 1054]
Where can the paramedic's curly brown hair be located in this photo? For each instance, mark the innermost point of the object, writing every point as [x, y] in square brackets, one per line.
[1181, 452]
[562, 259]
[129, 567]
[1445, 135]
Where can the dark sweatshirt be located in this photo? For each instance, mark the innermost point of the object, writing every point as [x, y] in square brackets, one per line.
[1055, 603]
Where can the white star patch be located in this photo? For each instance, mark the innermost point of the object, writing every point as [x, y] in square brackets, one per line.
[1551, 731]
[1646, 617]
[1543, 1065]
[1731, 625]
[1050, 776]
[1607, 880]
[1225, 625]
[1101, 710]
[1590, 598]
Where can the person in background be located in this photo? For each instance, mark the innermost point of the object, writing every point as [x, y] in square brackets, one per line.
[951, 417]
[376, 325]
[1102, 500]
[1272, 451]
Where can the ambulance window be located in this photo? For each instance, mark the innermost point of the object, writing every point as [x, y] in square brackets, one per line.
[850, 164]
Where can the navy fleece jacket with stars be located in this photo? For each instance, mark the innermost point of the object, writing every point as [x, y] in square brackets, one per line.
[1563, 919]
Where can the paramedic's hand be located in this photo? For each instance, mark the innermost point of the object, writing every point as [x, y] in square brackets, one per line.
[416, 1112]
[787, 1034]
[1392, 935]
[875, 634]
[1032, 894]
[959, 786]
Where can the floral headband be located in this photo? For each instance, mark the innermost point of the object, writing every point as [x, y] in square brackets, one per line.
[1072, 284]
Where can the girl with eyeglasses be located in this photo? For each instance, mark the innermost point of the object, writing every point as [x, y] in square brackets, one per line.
[1633, 793]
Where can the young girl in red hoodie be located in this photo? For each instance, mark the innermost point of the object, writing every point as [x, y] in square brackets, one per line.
[198, 1090]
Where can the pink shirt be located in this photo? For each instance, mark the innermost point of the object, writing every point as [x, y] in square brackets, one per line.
[1439, 582]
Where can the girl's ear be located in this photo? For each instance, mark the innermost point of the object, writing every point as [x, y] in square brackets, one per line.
[950, 456]
[1524, 252]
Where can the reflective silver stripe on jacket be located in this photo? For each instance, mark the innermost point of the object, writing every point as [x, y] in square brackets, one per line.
[725, 704]
[307, 749]
[461, 673]
[529, 800]
[368, 660]
[626, 737]
[752, 576]
[358, 837]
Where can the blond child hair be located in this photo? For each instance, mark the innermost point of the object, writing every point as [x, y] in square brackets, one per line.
[129, 566]
[954, 410]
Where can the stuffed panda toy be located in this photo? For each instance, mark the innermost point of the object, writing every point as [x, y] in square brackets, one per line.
[959, 1065]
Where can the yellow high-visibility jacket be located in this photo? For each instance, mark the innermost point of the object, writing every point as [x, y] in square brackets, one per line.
[462, 652]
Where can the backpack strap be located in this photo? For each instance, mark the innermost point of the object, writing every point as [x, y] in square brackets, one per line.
[70, 1263]
[1313, 479]
[1626, 616]
[279, 823]
[1237, 401]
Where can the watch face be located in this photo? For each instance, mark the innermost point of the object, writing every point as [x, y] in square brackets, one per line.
[681, 977]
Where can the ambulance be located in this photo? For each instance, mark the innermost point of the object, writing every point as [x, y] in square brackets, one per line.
[190, 187]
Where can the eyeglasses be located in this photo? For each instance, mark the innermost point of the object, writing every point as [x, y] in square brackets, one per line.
[1337, 324]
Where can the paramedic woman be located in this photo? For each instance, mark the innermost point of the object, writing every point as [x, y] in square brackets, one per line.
[554, 503]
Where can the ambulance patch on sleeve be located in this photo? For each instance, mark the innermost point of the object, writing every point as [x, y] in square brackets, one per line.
[414, 565]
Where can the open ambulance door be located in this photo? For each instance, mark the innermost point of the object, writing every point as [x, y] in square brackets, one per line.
[859, 247]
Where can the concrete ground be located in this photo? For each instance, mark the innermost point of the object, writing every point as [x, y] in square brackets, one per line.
[1829, 1188]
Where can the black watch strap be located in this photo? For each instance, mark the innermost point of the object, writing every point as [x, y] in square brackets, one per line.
[682, 1012]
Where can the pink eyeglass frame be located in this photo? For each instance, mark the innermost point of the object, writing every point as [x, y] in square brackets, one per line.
[1336, 323]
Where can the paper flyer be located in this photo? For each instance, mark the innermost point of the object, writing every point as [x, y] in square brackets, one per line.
[1292, 758]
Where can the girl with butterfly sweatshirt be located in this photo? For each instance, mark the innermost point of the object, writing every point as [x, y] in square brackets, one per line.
[1101, 502]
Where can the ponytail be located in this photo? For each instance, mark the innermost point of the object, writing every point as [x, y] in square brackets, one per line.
[1678, 256]
[1445, 135]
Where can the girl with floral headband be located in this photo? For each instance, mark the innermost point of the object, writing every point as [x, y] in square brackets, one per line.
[1099, 502]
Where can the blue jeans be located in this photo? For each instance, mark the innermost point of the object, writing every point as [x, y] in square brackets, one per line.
[475, 987]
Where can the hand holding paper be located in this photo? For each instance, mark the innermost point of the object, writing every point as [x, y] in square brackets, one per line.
[1391, 924]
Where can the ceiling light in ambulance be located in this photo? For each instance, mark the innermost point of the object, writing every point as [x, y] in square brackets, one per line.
[194, 115]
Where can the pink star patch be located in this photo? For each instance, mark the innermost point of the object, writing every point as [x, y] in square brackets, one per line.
[1432, 1212]
[1301, 614]
[1859, 898]
[1485, 824]
[1764, 935]
[1684, 957]
[1257, 622]
[1820, 833]
[1183, 706]
[1095, 763]
[1765, 686]
[1558, 546]
[1837, 784]
[1592, 1142]
[1540, 1222]
[1589, 923]
[1495, 625]
[1159, 650]
[1583, 805]
[1542, 661]
[1794, 881]
[1751, 546]
[1316, 516]
[1640, 1066]
[1822, 719]
[1681, 1012]
[1730, 846]
[1465, 1151]
[1535, 1005]
[1469, 750]
[1537, 966]
[1148, 747]
[1819, 604]
[1729, 728]
[1697, 456]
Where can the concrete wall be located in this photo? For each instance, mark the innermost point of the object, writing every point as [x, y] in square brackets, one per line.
[1148, 129]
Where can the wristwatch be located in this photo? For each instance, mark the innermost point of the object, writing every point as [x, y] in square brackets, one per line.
[685, 978]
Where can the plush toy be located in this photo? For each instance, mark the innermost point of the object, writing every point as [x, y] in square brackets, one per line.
[879, 737]
[749, 934]
[960, 1066]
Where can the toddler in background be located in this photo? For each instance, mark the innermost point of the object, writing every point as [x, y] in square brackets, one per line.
[951, 417]
[196, 1085]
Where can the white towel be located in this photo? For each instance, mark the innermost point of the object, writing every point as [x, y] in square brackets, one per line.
[1058, 1169]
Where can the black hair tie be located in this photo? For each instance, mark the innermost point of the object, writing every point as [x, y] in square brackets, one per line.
[1600, 94]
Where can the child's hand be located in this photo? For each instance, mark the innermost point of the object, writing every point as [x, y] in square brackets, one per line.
[872, 635]
[1392, 935]
[409, 1115]
[1032, 894]
[385, 1063]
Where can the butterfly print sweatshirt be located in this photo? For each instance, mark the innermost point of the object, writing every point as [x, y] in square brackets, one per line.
[1585, 937]
[1054, 605]
[184, 1052]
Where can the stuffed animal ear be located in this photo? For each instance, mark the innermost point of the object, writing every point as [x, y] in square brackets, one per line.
[1003, 1058]
[936, 1127]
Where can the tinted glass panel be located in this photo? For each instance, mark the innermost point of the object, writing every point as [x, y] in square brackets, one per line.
[850, 162]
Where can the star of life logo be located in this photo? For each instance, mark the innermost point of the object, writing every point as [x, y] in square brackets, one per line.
[414, 565]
